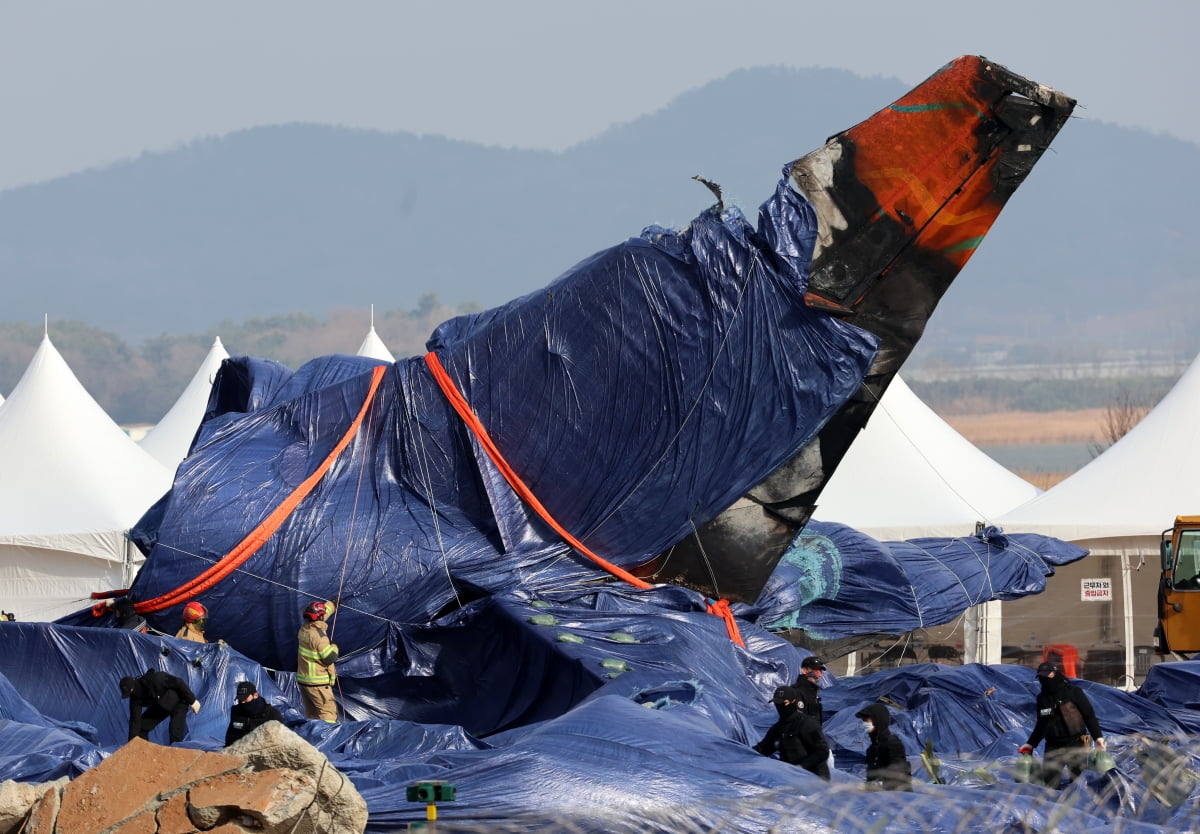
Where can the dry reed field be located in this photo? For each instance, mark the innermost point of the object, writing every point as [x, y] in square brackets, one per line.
[1030, 427]
[1027, 428]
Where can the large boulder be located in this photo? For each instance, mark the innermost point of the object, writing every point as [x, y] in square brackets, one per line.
[16, 798]
[270, 782]
[274, 746]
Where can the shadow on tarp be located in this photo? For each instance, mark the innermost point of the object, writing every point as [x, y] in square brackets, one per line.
[645, 749]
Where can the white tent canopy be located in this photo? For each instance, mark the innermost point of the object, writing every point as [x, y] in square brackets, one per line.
[910, 475]
[74, 484]
[1118, 505]
[373, 347]
[1136, 488]
[170, 440]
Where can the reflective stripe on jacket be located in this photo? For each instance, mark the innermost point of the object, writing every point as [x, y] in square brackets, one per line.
[315, 659]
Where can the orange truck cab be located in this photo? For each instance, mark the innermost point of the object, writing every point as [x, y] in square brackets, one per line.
[1178, 630]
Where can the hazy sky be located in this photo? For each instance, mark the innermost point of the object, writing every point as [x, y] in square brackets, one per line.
[89, 82]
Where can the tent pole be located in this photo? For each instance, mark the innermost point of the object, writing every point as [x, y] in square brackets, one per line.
[971, 635]
[982, 633]
[126, 563]
[1127, 605]
[993, 623]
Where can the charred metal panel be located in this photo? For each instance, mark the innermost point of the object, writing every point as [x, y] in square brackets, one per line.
[903, 200]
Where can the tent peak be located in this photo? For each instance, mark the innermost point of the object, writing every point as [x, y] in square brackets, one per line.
[373, 347]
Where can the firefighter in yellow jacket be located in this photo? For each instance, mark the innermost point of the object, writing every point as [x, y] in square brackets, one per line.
[195, 620]
[315, 670]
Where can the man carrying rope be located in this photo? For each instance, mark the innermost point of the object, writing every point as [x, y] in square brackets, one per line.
[315, 661]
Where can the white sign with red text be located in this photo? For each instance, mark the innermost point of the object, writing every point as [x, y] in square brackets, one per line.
[1096, 590]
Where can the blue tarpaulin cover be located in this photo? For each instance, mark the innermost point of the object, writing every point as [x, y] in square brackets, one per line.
[639, 395]
[656, 740]
[833, 579]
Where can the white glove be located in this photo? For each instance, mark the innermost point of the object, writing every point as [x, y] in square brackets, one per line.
[196, 707]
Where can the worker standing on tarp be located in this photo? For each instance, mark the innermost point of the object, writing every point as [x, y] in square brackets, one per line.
[195, 620]
[315, 671]
[887, 762]
[797, 736]
[808, 683]
[1067, 721]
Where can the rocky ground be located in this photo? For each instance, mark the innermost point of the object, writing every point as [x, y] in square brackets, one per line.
[270, 782]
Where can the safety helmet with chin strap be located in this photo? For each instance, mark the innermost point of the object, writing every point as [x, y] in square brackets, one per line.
[194, 612]
[315, 610]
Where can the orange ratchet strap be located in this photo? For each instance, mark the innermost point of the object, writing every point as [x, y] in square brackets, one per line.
[267, 527]
[718, 608]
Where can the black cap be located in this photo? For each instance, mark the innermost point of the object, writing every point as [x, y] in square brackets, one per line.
[1046, 668]
[813, 663]
[785, 693]
[127, 685]
[245, 689]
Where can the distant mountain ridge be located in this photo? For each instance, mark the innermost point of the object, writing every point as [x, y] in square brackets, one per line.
[1093, 252]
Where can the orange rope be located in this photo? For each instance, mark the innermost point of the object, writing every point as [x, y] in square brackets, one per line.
[720, 608]
[248, 546]
[464, 410]
[460, 404]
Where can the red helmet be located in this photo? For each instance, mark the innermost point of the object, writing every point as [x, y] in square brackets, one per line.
[194, 611]
[314, 610]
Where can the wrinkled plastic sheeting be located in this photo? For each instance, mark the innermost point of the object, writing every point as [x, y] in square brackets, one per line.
[638, 396]
[1176, 686]
[973, 710]
[613, 765]
[70, 675]
[647, 750]
[513, 661]
[39, 752]
[977, 716]
[834, 581]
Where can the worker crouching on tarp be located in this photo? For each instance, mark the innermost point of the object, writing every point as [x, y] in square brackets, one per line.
[1067, 721]
[155, 696]
[315, 671]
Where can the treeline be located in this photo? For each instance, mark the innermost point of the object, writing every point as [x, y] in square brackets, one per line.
[139, 383]
[985, 396]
